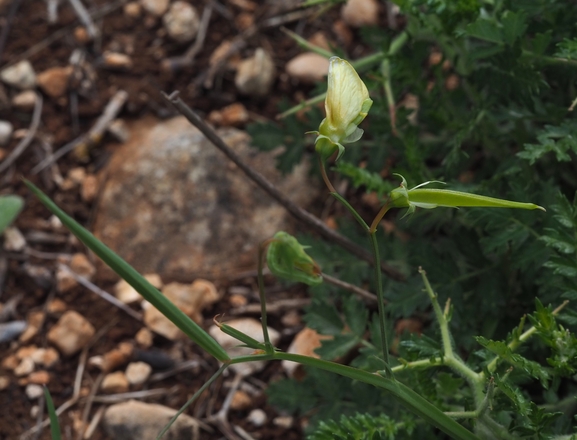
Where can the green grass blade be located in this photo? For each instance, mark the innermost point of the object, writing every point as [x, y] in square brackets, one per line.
[54, 425]
[449, 198]
[10, 207]
[132, 277]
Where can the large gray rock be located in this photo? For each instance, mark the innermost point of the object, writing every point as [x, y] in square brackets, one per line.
[174, 204]
[135, 420]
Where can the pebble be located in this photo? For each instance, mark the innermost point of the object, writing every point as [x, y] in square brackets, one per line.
[255, 75]
[89, 188]
[10, 362]
[34, 321]
[11, 330]
[283, 421]
[230, 116]
[358, 13]
[4, 382]
[6, 129]
[114, 383]
[190, 298]
[119, 129]
[81, 265]
[116, 61]
[56, 306]
[25, 367]
[308, 67]
[21, 75]
[257, 417]
[41, 377]
[71, 333]
[135, 420]
[41, 275]
[14, 241]
[305, 343]
[144, 337]
[132, 9]
[155, 7]
[237, 300]
[252, 328]
[64, 280]
[127, 294]
[34, 391]
[47, 357]
[54, 81]
[138, 372]
[181, 21]
[24, 101]
[116, 357]
[240, 401]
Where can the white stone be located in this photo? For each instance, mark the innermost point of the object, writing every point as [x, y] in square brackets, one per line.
[25, 100]
[138, 372]
[21, 75]
[71, 333]
[256, 74]
[114, 383]
[358, 13]
[308, 67]
[14, 241]
[181, 21]
[190, 298]
[283, 421]
[47, 357]
[155, 7]
[25, 367]
[127, 294]
[6, 129]
[34, 391]
[305, 343]
[257, 417]
[144, 337]
[135, 420]
[252, 328]
[116, 61]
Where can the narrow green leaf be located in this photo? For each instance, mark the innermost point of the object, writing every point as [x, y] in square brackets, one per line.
[54, 425]
[10, 207]
[132, 277]
[448, 198]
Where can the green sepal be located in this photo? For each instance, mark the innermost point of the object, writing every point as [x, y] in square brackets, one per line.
[287, 259]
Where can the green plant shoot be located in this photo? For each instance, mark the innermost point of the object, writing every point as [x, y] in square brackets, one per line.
[419, 197]
[10, 207]
[287, 259]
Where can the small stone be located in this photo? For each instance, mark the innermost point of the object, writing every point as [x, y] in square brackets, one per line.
[343, 32]
[144, 337]
[219, 53]
[116, 61]
[358, 13]
[21, 75]
[181, 21]
[257, 417]
[240, 401]
[41, 377]
[34, 391]
[82, 266]
[237, 300]
[4, 382]
[132, 9]
[291, 318]
[251, 327]
[138, 372]
[34, 320]
[64, 280]
[14, 241]
[81, 35]
[116, 357]
[11, 330]
[10, 362]
[6, 129]
[114, 383]
[320, 39]
[255, 75]
[135, 420]
[71, 333]
[155, 7]
[89, 188]
[24, 352]
[96, 361]
[308, 67]
[41, 275]
[191, 299]
[283, 422]
[119, 130]
[77, 174]
[47, 357]
[24, 101]
[127, 294]
[305, 343]
[56, 306]
[230, 116]
[244, 20]
[25, 367]
[54, 81]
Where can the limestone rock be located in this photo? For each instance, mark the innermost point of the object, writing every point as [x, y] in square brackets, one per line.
[172, 203]
[34, 391]
[308, 67]
[230, 116]
[181, 21]
[21, 75]
[14, 241]
[155, 7]
[127, 294]
[134, 420]
[251, 327]
[138, 372]
[24, 101]
[256, 74]
[305, 343]
[358, 13]
[54, 81]
[115, 383]
[6, 130]
[144, 337]
[71, 333]
[257, 417]
[190, 298]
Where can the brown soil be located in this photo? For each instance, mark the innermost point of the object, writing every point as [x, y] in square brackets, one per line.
[144, 41]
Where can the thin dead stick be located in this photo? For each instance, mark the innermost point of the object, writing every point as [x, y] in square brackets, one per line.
[220, 419]
[184, 366]
[103, 294]
[88, 405]
[94, 423]
[31, 132]
[84, 17]
[93, 136]
[177, 63]
[299, 213]
[272, 308]
[113, 398]
[351, 288]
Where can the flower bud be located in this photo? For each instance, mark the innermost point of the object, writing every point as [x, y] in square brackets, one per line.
[286, 258]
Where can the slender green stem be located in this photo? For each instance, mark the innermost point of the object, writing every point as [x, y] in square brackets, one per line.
[306, 44]
[263, 319]
[421, 363]
[192, 399]
[355, 214]
[379, 217]
[381, 302]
